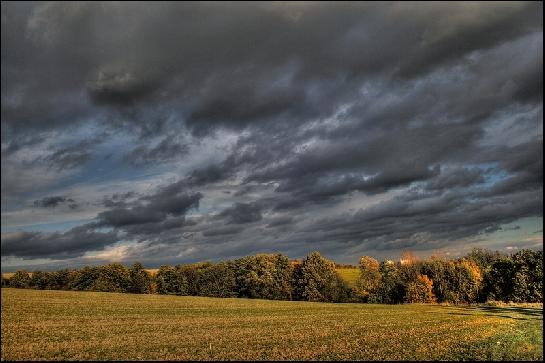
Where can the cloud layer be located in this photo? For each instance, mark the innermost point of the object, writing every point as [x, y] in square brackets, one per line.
[188, 131]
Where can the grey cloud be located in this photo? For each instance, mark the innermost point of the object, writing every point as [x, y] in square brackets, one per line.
[241, 213]
[280, 221]
[117, 200]
[54, 201]
[70, 244]
[156, 209]
[267, 73]
[456, 178]
[72, 156]
[323, 105]
[221, 231]
[209, 174]
[167, 150]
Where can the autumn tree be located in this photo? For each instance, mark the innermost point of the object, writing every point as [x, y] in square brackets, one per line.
[420, 290]
[369, 279]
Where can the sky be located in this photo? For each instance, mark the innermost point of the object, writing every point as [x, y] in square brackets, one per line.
[172, 133]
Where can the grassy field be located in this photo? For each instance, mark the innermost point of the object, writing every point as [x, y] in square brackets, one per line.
[90, 325]
[350, 275]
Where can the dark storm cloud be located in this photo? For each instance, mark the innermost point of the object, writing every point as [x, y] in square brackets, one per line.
[117, 199]
[156, 213]
[225, 74]
[456, 178]
[54, 201]
[317, 109]
[169, 201]
[525, 164]
[209, 174]
[72, 243]
[241, 213]
[426, 221]
[221, 231]
[280, 221]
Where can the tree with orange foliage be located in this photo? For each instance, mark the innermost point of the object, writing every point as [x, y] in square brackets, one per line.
[420, 291]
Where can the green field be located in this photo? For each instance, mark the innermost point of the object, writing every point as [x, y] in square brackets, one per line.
[92, 325]
[350, 275]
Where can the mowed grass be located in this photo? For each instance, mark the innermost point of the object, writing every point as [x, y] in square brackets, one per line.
[350, 275]
[56, 325]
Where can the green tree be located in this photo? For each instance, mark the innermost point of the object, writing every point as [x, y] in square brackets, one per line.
[171, 281]
[370, 278]
[528, 278]
[140, 279]
[113, 277]
[264, 276]
[498, 281]
[40, 280]
[218, 280]
[62, 279]
[483, 257]
[191, 274]
[439, 272]
[316, 280]
[85, 278]
[390, 290]
[20, 279]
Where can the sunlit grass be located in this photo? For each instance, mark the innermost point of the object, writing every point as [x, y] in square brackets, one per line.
[92, 325]
[350, 275]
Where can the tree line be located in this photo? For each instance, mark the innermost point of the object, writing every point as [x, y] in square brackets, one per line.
[479, 276]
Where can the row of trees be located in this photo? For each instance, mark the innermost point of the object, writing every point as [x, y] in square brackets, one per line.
[114, 277]
[479, 276]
